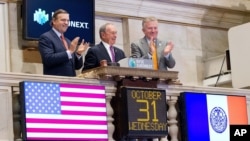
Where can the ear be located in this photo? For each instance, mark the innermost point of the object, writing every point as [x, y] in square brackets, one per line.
[102, 34]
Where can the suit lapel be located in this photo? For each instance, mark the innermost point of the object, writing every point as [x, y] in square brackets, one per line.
[145, 45]
[103, 49]
[160, 46]
[58, 41]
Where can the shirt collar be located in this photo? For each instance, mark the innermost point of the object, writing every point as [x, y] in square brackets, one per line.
[57, 32]
[148, 40]
[106, 45]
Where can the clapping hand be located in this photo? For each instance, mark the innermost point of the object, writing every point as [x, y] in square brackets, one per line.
[82, 47]
[73, 44]
[169, 47]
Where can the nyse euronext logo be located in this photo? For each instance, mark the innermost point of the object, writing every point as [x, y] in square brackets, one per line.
[41, 18]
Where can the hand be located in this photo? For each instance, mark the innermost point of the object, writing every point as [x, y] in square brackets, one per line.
[82, 47]
[73, 44]
[169, 47]
[151, 46]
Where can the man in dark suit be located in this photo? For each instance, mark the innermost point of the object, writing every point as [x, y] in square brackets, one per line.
[59, 55]
[105, 50]
[143, 47]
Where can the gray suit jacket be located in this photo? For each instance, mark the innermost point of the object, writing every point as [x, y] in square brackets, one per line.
[140, 49]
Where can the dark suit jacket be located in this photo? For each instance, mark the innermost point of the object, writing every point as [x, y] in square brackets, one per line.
[140, 49]
[54, 57]
[97, 53]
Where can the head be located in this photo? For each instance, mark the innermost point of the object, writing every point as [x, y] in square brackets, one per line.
[108, 33]
[150, 27]
[60, 20]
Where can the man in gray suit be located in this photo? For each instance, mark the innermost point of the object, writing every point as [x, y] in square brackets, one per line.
[143, 47]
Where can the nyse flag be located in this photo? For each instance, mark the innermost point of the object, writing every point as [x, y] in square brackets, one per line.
[53, 111]
[207, 116]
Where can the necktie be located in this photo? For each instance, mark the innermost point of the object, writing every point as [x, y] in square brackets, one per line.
[154, 56]
[112, 54]
[64, 42]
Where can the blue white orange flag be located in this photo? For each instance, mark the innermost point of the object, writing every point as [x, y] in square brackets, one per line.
[53, 111]
[207, 117]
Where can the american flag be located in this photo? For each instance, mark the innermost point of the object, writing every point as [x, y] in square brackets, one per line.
[54, 111]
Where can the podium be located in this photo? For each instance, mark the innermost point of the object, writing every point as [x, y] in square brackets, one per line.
[134, 79]
[122, 73]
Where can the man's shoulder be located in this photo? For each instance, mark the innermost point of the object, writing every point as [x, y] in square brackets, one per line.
[96, 47]
[138, 41]
[118, 48]
[47, 34]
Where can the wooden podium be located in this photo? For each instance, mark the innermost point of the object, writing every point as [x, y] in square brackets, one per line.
[129, 77]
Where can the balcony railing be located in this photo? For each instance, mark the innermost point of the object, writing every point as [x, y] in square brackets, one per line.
[10, 127]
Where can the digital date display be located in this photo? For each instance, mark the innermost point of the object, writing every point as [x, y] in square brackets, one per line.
[145, 111]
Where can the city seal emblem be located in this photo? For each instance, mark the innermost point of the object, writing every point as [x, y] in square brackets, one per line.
[218, 119]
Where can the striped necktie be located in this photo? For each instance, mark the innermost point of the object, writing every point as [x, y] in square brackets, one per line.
[112, 53]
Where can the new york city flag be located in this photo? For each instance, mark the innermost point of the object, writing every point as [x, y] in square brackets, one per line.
[207, 117]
